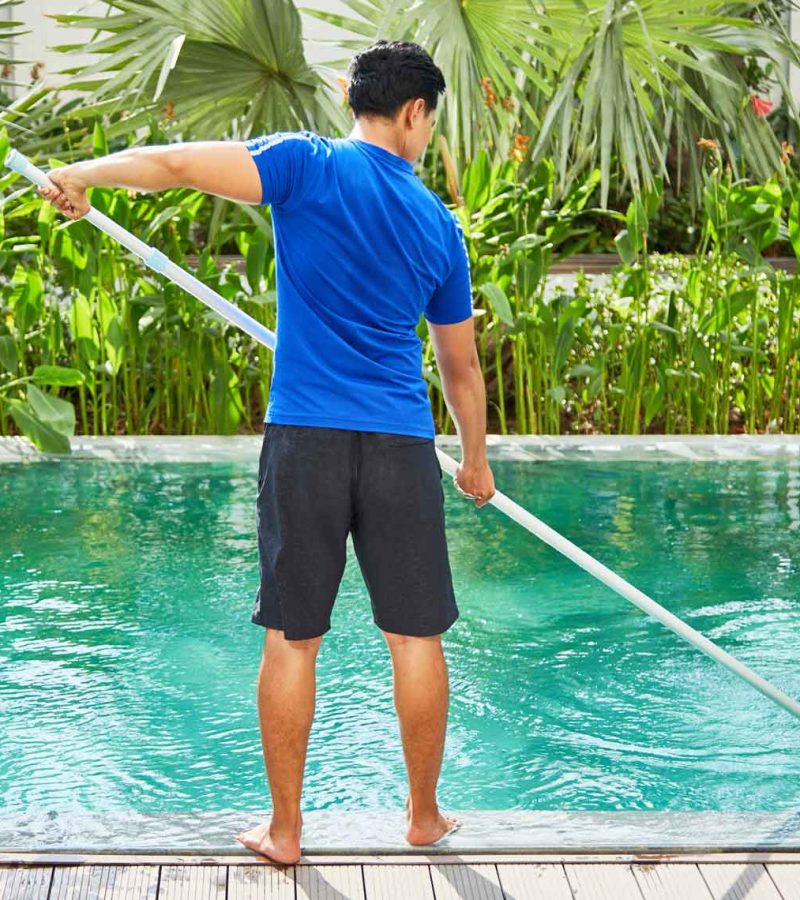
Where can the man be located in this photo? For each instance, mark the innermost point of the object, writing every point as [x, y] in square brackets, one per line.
[363, 248]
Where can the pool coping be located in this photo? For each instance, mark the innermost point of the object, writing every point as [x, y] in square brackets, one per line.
[235, 448]
[369, 832]
[412, 858]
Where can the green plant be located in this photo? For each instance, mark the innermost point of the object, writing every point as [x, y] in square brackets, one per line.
[150, 358]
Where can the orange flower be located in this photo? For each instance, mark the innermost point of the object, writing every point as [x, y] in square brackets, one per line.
[489, 96]
[761, 106]
[520, 147]
[787, 152]
[708, 144]
[508, 102]
[342, 82]
[169, 110]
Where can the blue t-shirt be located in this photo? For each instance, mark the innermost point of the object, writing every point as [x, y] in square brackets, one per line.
[362, 248]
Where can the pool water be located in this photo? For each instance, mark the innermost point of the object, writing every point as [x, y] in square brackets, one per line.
[128, 662]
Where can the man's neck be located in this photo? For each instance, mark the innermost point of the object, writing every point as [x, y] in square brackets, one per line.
[381, 136]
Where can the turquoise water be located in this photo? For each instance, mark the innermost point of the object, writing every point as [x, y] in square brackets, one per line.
[128, 661]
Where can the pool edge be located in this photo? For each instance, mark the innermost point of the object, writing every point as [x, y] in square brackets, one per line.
[237, 448]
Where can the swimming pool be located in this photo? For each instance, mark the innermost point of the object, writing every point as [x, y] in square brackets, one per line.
[128, 662]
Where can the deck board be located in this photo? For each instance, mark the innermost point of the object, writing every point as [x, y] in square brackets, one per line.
[533, 881]
[465, 882]
[330, 883]
[739, 881]
[787, 879]
[670, 881]
[509, 877]
[260, 882]
[104, 883]
[25, 884]
[398, 882]
[602, 882]
[193, 883]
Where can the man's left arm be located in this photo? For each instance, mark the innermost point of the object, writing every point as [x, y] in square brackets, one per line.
[223, 168]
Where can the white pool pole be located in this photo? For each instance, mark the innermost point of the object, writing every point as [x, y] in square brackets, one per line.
[159, 263]
[610, 578]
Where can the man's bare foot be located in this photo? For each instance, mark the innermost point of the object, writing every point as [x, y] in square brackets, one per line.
[279, 848]
[428, 832]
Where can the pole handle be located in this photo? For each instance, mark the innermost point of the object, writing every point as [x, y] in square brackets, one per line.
[18, 162]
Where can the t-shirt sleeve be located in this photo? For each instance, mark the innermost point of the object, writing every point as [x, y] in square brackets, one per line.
[451, 302]
[283, 159]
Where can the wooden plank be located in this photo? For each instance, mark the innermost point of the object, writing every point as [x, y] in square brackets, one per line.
[25, 884]
[602, 882]
[470, 882]
[104, 883]
[736, 881]
[398, 883]
[531, 881]
[261, 881]
[330, 883]
[669, 881]
[193, 883]
[787, 879]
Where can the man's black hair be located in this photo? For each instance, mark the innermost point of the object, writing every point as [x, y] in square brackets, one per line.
[383, 76]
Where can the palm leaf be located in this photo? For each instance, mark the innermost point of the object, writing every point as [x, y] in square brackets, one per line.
[645, 72]
[211, 68]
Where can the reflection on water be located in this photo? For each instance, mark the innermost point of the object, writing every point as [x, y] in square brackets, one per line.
[128, 661]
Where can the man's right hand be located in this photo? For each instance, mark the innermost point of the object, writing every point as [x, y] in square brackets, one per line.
[69, 193]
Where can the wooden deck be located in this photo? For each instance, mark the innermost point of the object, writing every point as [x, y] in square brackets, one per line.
[721, 876]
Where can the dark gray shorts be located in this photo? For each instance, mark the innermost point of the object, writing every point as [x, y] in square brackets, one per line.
[317, 485]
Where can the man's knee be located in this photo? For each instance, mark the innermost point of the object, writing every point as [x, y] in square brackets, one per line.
[276, 637]
[409, 640]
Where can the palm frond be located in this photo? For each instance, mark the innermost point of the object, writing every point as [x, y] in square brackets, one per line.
[207, 67]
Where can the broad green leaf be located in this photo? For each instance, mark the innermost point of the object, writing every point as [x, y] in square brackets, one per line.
[99, 141]
[581, 370]
[55, 412]
[44, 435]
[566, 337]
[57, 376]
[497, 297]
[9, 358]
[625, 247]
[653, 403]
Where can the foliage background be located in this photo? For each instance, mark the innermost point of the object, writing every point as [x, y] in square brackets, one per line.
[640, 128]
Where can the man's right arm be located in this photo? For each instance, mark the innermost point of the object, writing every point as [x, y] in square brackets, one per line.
[223, 168]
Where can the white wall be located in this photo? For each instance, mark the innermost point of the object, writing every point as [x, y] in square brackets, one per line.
[794, 71]
[46, 33]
